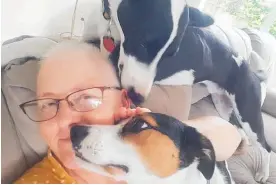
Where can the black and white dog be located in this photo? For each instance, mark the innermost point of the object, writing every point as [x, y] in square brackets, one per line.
[165, 42]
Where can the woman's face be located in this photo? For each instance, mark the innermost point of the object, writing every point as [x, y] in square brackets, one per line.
[65, 73]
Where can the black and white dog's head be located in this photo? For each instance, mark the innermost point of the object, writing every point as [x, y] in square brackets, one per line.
[150, 31]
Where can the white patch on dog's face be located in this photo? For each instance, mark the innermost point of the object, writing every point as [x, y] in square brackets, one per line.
[180, 78]
[135, 73]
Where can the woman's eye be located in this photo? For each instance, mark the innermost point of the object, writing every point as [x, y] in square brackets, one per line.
[47, 105]
[85, 97]
[95, 103]
[86, 101]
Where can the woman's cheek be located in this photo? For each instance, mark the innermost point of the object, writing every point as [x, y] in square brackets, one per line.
[104, 115]
[49, 134]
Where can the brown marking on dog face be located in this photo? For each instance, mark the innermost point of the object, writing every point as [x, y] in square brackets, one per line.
[157, 151]
[149, 119]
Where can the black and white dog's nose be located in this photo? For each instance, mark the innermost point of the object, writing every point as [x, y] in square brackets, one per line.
[136, 98]
[77, 134]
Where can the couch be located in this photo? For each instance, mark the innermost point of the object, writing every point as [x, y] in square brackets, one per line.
[20, 141]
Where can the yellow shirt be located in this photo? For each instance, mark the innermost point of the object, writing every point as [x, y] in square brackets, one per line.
[47, 171]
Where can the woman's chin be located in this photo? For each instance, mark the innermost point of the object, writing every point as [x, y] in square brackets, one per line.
[70, 164]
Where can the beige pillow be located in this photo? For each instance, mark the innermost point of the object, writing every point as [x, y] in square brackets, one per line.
[171, 100]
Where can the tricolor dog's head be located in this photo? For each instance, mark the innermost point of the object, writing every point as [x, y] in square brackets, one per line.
[149, 147]
[150, 30]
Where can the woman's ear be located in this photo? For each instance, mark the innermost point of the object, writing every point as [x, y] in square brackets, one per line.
[125, 99]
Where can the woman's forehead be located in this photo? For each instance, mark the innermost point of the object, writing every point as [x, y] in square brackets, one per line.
[69, 71]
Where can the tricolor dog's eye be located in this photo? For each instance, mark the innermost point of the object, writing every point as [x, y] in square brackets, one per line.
[135, 125]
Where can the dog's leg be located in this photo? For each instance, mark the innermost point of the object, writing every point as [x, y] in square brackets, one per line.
[263, 171]
[244, 89]
[248, 105]
[249, 136]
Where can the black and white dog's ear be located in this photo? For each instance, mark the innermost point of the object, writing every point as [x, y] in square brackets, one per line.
[196, 147]
[207, 159]
[199, 19]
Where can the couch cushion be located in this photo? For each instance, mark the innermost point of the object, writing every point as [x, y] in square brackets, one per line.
[13, 162]
[236, 38]
[269, 106]
[270, 128]
[172, 100]
[264, 45]
[18, 86]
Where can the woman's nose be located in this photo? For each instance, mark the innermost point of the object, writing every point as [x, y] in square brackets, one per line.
[65, 114]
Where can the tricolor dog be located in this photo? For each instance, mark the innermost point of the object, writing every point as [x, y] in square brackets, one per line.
[149, 148]
[166, 42]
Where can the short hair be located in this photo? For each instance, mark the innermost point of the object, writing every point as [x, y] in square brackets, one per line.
[73, 45]
[79, 46]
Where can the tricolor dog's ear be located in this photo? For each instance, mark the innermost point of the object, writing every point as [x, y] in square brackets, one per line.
[199, 19]
[207, 159]
[196, 147]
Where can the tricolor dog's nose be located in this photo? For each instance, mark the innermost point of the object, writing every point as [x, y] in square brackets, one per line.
[135, 97]
[77, 134]
[121, 66]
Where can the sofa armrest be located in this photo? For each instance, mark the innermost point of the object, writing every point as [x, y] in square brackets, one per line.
[269, 105]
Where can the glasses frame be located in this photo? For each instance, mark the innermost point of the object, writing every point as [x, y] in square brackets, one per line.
[22, 106]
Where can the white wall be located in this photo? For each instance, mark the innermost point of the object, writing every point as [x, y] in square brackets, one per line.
[42, 17]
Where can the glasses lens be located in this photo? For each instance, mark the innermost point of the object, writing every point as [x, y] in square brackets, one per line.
[41, 110]
[86, 100]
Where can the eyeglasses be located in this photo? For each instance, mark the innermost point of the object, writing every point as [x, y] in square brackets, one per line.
[85, 100]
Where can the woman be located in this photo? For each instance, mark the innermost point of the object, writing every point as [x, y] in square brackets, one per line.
[69, 73]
